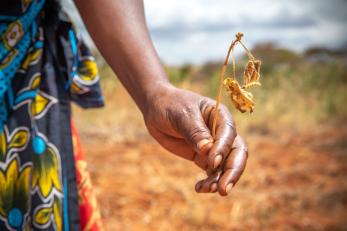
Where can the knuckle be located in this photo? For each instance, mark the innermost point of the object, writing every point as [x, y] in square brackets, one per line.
[243, 145]
[245, 149]
[225, 144]
[246, 153]
[177, 117]
[180, 115]
[196, 132]
[231, 125]
[187, 111]
[204, 102]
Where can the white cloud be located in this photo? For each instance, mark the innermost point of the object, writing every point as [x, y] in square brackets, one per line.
[200, 30]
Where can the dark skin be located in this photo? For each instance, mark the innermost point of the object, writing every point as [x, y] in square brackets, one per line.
[178, 119]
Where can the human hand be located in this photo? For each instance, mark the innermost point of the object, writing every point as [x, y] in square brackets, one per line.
[181, 122]
[226, 176]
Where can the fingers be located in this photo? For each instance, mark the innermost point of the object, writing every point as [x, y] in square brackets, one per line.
[172, 144]
[179, 147]
[210, 184]
[234, 166]
[225, 135]
[225, 177]
[191, 125]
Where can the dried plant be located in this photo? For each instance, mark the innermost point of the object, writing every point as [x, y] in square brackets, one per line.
[242, 99]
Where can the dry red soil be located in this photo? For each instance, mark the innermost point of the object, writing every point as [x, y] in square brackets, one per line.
[293, 181]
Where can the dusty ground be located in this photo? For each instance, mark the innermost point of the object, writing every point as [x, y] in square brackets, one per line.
[296, 177]
[295, 180]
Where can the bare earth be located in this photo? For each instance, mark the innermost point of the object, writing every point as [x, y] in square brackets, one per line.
[295, 180]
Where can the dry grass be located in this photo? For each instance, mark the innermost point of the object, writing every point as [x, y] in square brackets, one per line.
[295, 178]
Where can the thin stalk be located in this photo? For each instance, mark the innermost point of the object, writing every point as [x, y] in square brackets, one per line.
[221, 79]
[234, 64]
[247, 51]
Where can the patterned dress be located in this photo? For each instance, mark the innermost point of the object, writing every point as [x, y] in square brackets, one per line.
[44, 65]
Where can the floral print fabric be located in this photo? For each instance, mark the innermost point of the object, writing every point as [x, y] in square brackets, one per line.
[38, 185]
[90, 219]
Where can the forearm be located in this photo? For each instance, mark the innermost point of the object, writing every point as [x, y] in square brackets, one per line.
[119, 30]
[178, 119]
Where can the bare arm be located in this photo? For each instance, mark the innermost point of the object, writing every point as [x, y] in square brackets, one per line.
[119, 30]
[179, 120]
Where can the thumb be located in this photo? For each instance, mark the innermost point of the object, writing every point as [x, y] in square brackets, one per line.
[193, 128]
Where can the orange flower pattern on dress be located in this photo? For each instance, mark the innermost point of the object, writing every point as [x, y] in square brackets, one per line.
[90, 219]
[44, 66]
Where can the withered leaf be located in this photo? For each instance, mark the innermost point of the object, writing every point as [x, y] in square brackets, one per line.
[242, 99]
[251, 74]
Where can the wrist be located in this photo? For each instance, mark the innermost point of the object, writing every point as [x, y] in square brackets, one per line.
[156, 91]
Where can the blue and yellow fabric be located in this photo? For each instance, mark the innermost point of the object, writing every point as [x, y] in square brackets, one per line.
[44, 65]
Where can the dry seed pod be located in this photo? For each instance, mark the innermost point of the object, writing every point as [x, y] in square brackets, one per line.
[251, 75]
[242, 99]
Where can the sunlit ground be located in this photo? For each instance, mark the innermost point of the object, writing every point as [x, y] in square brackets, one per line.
[296, 174]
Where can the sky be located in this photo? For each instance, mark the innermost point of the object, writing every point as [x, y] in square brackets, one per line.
[196, 31]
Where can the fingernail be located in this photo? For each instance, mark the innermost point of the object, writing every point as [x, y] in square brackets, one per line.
[213, 187]
[229, 187]
[203, 143]
[217, 161]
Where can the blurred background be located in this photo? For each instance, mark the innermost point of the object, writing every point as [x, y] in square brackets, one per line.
[297, 170]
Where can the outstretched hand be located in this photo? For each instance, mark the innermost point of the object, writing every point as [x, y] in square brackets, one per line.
[181, 122]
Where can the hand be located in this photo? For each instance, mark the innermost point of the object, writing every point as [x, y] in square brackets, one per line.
[181, 121]
[225, 177]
